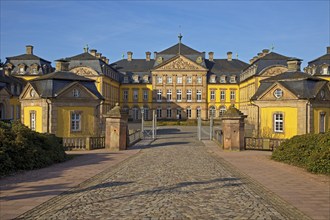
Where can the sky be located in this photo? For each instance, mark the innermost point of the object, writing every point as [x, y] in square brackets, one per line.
[59, 29]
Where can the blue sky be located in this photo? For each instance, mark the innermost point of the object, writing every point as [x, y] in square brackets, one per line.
[59, 29]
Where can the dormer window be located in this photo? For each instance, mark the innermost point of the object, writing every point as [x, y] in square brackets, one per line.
[125, 79]
[213, 79]
[223, 79]
[233, 79]
[21, 68]
[325, 70]
[136, 78]
[75, 93]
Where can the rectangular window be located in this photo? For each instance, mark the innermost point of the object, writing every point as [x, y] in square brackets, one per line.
[159, 112]
[233, 79]
[159, 79]
[278, 122]
[189, 112]
[159, 95]
[223, 79]
[135, 95]
[179, 79]
[198, 112]
[189, 95]
[125, 95]
[179, 95]
[189, 79]
[33, 120]
[126, 79]
[199, 80]
[222, 95]
[169, 113]
[232, 95]
[145, 95]
[322, 122]
[75, 121]
[212, 96]
[169, 80]
[199, 95]
[169, 95]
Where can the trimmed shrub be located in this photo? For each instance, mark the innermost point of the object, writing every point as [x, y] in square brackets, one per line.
[24, 149]
[310, 151]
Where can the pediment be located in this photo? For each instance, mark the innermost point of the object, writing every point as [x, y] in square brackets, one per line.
[75, 91]
[29, 93]
[269, 94]
[273, 71]
[84, 71]
[324, 93]
[180, 63]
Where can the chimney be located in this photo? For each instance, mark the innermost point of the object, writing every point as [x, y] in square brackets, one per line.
[148, 56]
[29, 49]
[129, 56]
[328, 50]
[107, 61]
[260, 55]
[103, 58]
[93, 52]
[62, 65]
[211, 56]
[98, 55]
[229, 56]
[294, 64]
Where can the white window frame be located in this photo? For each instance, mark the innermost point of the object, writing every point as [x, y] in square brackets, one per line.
[33, 120]
[169, 95]
[189, 112]
[222, 110]
[199, 95]
[159, 79]
[212, 95]
[179, 79]
[232, 95]
[223, 79]
[135, 94]
[189, 79]
[212, 111]
[222, 95]
[169, 113]
[199, 80]
[159, 112]
[178, 95]
[278, 122]
[189, 95]
[169, 80]
[145, 95]
[75, 119]
[198, 112]
[125, 95]
[159, 95]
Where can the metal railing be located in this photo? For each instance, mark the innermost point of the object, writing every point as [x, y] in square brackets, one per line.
[83, 143]
[134, 136]
[268, 144]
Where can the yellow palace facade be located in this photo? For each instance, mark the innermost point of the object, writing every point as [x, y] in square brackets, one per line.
[178, 83]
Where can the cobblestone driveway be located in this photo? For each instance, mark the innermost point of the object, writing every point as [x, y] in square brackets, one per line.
[173, 178]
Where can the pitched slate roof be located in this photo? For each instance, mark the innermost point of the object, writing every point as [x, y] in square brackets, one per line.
[303, 85]
[50, 85]
[27, 57]
[184, 50]
[320, 61]
[270, 59]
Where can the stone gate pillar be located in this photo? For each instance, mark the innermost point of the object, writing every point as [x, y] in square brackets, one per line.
[233, 129]
[116, 129]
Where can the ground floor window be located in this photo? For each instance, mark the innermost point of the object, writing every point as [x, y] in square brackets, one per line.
[33, 120]
[212, 111]
[322, 122]
[198, 112]
[159, 112]
[76, 121]
[169, 113]
[278, 122]
[135, 113]
[222, 110]
[188, 112]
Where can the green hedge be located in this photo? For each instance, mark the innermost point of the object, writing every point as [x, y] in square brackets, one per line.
[310, 151]
[24, 149]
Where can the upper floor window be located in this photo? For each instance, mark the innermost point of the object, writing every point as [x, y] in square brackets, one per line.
[126, 79]
[159, 95]
[233, 79]
[179, 79]
[135, 94]
[179, 95]
[169, 95]
[146, 79]
[33, 120]
[232, 95]
[159, 79]
[169, 79]
[278, 122]
[189, 95]
[125, 95]
[145, 95]
[199, 95]
[213, 79]
[325, 70]
[189, 79]
[212, 95]
[199, 80]
[222, 95]
[75, 93]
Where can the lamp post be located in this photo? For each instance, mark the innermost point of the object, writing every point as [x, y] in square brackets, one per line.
[142, 122]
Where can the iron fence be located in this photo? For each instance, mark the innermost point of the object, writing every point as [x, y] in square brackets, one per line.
[268, 144]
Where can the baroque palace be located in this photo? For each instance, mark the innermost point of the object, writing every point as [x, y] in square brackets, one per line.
[179, 83]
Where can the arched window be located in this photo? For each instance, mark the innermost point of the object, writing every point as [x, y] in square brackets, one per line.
[212, 111]
[222, 110]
